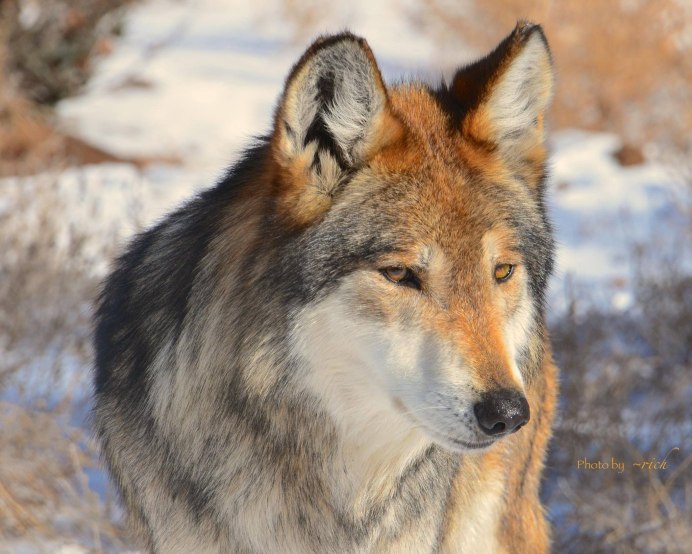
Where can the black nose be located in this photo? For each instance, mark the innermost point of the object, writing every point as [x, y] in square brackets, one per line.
[502, 412]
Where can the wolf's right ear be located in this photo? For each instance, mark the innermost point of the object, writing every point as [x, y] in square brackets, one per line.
[504, 98]
[334, 116]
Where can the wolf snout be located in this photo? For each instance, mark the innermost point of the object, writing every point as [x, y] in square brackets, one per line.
[502, 412]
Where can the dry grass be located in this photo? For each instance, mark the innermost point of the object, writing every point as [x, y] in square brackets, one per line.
[27, 139]
[45, 282]
[47, 52]
[45, 497]
[46, 286]
[626, 394]
[52, 44]
[302, 17]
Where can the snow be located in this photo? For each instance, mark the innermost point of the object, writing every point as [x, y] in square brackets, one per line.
[601, 211]
[214, 70]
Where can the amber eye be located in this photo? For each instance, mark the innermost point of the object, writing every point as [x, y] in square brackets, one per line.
[395, 274]
[503, 272]
[401, 276]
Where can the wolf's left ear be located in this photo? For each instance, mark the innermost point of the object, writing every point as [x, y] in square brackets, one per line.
[505, 95]
[333, 117]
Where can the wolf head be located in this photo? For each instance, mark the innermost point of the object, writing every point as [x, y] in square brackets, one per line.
[422, 246]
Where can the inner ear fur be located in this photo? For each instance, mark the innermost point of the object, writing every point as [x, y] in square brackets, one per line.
[504, 96]
[333, 117]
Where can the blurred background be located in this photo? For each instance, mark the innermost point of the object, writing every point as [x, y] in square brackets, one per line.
[114, 111]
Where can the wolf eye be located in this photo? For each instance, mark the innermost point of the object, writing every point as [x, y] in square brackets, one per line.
[503, 272]
[401, 276]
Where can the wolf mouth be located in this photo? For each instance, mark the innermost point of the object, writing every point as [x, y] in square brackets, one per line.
[441, 437]
[464, 444]
[474, 446]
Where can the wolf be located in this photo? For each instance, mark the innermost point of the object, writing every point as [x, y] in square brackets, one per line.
[341, 347]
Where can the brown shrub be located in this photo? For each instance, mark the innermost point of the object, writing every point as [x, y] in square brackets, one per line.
[622, 65]
[27, 137]
[51, 45]
[45, 56]
[44, 490]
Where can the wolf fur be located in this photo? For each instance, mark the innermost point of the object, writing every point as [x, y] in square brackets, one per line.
[294, 361]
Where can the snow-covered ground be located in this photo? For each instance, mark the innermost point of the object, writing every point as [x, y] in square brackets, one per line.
[196, 79]
[210, 71]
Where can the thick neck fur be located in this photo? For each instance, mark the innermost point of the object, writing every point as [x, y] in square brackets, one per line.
[315, 456]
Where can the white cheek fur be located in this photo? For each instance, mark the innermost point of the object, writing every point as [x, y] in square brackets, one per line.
[517, 332]
[364, 371]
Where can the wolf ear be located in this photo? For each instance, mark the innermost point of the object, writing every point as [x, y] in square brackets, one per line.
[505, 95]
[334, 116]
